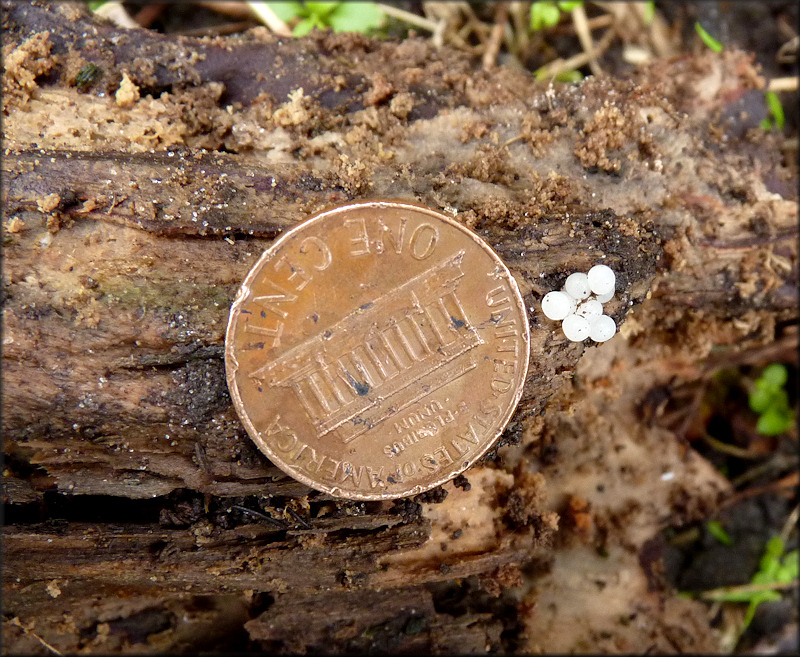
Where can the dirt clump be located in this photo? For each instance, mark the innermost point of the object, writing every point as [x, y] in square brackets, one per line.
[128, 92]
[603, 133]
[22, 64]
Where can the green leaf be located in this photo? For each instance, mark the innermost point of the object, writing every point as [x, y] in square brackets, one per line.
[790, 568]
[780, 403]
[776, 109]
[760, 400]
[772, 552]
[356, 17]
[94, 6]
[716, 529]
[286, 11]
[306, 25]
[321, 9]
[769, 399]
[710, 41]
[544, 14]
[762, 384]
[649, 12]
[767, 575]
[766, 384]
[569, 5]
[773, 422]
[569, 76]
[775, 373]
[785, 574]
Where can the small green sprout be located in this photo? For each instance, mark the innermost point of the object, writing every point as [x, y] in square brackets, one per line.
[546, 14]
[710, 41]
[572, 76]
[716, 529]
[776, 110]
[569, 76]
[649, 12]
[94, 6]
[543, 15]
[769, 399]
[775, 568]
[340, 16]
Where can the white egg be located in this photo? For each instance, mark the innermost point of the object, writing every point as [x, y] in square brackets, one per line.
[602, 298]
[602, 328]
[601, 279]
[577, 286]
[575, 328]
[589, 308]
[557, 305]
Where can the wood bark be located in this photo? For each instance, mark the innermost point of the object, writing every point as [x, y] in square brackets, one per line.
[139, 514]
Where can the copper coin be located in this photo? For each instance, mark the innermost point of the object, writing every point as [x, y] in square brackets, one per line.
[377, 350]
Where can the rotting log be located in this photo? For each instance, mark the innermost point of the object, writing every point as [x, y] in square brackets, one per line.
[139, 514]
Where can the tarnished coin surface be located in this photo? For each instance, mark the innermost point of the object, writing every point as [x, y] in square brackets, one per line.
[377, 350]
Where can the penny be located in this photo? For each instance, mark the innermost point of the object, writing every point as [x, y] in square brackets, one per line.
[377, 350]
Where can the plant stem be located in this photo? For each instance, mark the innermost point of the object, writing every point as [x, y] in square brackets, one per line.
[585, 37]
[553, 68]
[717, 594]
[733, 450]
[790, 524]
[408, 17]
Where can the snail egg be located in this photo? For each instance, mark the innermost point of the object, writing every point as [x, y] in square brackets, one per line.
[577, 286]
[601, 279]
[602, 328]
[557, 305]
[602, 298]
[575, 328]
[589, 308]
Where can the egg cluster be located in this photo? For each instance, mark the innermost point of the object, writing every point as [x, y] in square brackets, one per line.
[579, 306]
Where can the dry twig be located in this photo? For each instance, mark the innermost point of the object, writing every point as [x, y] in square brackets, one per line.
[790, 525]
[585, 37]
[557, 66]
[409, 17]
[117, 14]
[496, 37]
[787, 53]
[234, 9]
[147, 14]
[219, 30]
[783, 84]
[16, 622]
[732, 450]
[783, 484]
[270, 18]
